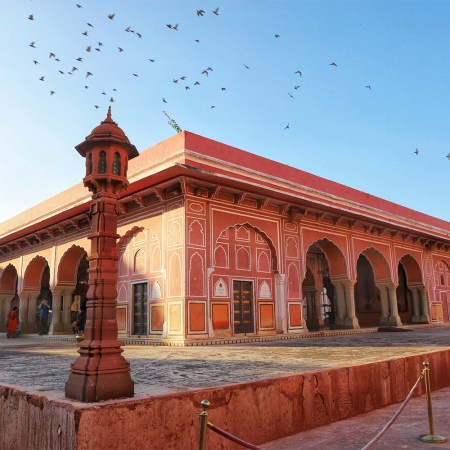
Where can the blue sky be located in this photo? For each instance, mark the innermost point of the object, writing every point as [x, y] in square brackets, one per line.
[338, 128]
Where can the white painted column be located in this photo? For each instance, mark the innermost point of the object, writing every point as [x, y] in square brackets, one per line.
[384, 318]
[350, 320]
[394, 318]
[280, 303]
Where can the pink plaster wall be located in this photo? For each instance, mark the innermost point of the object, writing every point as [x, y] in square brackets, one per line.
[257, 412]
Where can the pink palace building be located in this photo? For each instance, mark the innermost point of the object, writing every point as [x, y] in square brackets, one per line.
[218, 244]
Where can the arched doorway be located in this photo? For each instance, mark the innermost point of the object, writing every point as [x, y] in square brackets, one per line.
[8, 293]
[244, 298]
[324, 264]
[367, 295]
[410, 300]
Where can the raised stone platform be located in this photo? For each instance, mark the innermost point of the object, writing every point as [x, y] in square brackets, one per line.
[279, 388]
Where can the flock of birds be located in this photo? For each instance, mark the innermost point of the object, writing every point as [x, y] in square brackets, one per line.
[180, 80]
[78, 62]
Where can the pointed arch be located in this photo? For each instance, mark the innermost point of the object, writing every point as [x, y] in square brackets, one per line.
[196, 275]
[379, 264]
[126, 238]
[8, 280]
[174, 281]
[335, 259]
[222, 234]
[412, 269]
[33, 274]
[68, 266]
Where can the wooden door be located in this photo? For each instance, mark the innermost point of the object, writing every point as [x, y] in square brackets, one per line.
[140, 308]
[243, 307]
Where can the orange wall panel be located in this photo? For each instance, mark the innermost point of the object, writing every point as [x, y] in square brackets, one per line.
[266, 311]
[197, 316]
[157, 318]
[220, 316]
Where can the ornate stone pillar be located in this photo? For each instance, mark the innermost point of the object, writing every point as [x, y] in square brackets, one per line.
[394, 318]
[280, 303]
[101, 372]
[339, 296]
[23, 311]
[384, 318]
[350, 320]
[425, 311]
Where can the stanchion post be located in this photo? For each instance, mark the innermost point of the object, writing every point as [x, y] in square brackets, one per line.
[203, 417]
[430, 438]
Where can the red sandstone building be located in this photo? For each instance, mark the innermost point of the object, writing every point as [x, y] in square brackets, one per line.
[217, 243]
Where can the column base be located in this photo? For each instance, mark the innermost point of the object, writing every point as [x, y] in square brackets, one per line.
[351, 322]
[395, 320]
[384, 321]
[95, 387]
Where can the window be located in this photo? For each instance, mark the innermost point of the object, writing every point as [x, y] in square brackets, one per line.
[102, 162]
[116, 164]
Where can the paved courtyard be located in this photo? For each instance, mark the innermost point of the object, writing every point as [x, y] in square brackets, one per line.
[40, 364]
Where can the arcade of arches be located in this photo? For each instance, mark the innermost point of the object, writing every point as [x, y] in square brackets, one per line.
[243, 283]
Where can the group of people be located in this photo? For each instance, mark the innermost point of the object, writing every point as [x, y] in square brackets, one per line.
[12, 320]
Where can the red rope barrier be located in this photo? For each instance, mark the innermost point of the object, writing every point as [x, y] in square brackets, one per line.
[232, 438]
[395, 416]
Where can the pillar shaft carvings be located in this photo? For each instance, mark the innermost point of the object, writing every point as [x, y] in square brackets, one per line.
[280, 303]
[394, 318]
[384, 299]
[350, 319]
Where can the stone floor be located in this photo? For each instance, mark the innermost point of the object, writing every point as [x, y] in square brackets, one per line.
[42, 365]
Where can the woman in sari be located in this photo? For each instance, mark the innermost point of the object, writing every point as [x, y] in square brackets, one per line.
[12, 322]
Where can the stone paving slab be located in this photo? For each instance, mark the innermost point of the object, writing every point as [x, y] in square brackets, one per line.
[41, 364]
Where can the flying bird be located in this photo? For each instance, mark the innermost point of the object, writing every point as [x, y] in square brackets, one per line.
[200, 12]
[196, 83]
[51, 55]
[416, 151]
[74, 68]
[98, 49]
[448, 156]
[151, 60]
[245, 65]
[277, 36]
[90, 25]
[290, 95]
[223, 89]
[32, 44]
[88, 74]
[100, 44]
[35, 62]
[111, 100]
[175, 81]
[297, 86]
[61, 72]
[368, 87]
[205, 72]
[52, 92]
[286, 127]
[86, 87]
[187, 87]
[333, 64]
[120, 49]
[80, 59]
[212, 106]
[135, 75]
[31, 17]
[78, 6]
[111, 16]
[88, 48]
[85, 33]
[103, 93]
[197, 40]
[164, 100]
[172, 27]
[96, 106]
[42, 79]
[216, 11]
[183, 78]
[139, 35]
[299, 73]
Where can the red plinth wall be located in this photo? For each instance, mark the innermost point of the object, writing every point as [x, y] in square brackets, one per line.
[258, 412]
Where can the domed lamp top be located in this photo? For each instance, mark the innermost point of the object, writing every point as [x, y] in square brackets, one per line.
[107, 131]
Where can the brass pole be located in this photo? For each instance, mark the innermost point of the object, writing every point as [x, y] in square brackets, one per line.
[203, 417]
[430, 438]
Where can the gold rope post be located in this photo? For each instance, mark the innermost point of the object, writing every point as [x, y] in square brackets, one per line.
[203, 416]
[430, 438]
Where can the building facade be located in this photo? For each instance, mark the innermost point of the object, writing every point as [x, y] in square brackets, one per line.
[216, 242]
